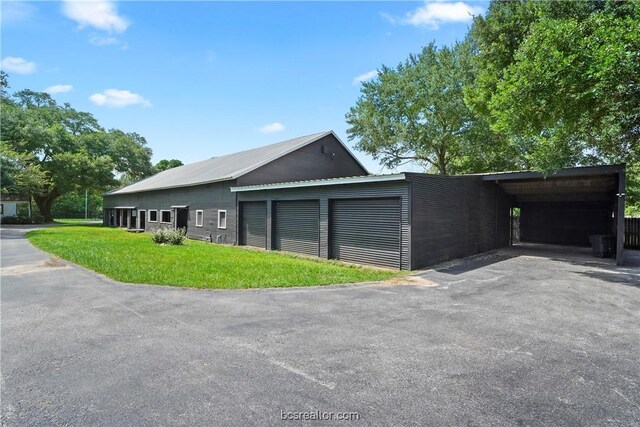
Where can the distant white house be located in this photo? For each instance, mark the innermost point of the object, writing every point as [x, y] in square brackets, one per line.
[9, 204]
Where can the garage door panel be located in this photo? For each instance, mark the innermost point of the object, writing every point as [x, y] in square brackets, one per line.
[366, 231]
[297, 226]
[253, 224]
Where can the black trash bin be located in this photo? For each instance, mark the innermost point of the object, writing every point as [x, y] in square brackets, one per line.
[602, 245]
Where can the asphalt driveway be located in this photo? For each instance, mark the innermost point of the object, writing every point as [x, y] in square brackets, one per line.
[505, 339]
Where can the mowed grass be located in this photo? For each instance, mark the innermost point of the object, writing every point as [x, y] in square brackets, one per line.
[134, 258]
[77, 221]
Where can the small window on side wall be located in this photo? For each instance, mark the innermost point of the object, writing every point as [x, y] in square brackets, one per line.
[165, 216]
[222, 220]
[153, 215]
[199, 218]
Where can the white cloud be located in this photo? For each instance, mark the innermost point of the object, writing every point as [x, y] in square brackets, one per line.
[99, 14]
[15, 64]
[118, 99]
[16, 11]
[432, 14]
[272, 128]
[58, 89]
[365, 77]
[98, 40]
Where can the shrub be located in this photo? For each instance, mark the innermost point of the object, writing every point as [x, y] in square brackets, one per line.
[35, 219]
[167, 236]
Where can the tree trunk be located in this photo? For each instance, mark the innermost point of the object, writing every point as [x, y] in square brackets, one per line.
[45, 203]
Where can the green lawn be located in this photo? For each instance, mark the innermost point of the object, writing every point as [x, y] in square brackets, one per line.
[77, 221]
[134, 258]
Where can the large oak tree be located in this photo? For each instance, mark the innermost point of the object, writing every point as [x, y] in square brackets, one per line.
[416, 113]
[68, 146]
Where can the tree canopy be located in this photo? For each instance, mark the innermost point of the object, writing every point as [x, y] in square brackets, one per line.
[416, 112]
[67, 148]
[566, 87]
[538, 85]
[165, 164]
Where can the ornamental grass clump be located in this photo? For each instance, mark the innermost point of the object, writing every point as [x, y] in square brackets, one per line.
[167, 236]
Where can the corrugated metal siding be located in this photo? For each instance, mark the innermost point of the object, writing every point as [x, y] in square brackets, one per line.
[219, 168]
[209, 198]
[253, 224]
[366, 231]
[309, 162]
[564, 223]
[455, 216]
[297, 226]
[399, 189]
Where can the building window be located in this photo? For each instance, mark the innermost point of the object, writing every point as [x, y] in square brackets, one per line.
[199, 217]
[1, 209]
[222, 220]
[165, 216]
[153, 215]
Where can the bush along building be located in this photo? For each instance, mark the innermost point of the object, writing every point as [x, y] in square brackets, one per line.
[310, 195]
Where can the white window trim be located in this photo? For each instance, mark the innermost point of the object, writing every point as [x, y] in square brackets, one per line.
[225, 220]
[201, 212]
[149, 214]
[165, 210]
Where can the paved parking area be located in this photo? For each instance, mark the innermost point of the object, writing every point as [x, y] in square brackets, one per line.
[510, 338]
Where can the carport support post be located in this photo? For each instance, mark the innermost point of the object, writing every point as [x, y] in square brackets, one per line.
[620, 218]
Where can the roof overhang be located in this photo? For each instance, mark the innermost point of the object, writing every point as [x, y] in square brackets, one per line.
[322, 182]
[580, 171]
[123, 207]
[168, 187]
[587, 184]
[179, 206]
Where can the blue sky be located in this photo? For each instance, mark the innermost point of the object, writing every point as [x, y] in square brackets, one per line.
[202, 79]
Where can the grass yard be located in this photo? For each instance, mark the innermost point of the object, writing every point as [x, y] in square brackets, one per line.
[77, 221]
[134, 258]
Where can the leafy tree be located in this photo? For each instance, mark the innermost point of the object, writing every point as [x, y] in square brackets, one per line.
[20, 175]
[165, 164]
[68, 147]
[416, 112]
[72, 205]
[561, 81]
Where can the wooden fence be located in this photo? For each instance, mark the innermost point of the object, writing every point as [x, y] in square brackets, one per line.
[632, 233]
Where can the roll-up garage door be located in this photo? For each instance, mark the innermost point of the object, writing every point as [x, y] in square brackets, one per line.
[253, 224]
[297, 226]
[366, 231]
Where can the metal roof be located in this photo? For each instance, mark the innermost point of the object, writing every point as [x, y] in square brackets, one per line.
[223, 168]
[322, 182]
[578, 171]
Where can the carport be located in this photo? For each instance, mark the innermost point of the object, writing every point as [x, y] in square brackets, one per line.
[566, 207]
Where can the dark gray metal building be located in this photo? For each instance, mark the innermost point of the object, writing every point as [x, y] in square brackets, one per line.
[412, 220]
[310, 195]
[197, 196]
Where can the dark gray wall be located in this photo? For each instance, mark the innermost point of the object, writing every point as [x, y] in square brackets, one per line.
[209, 198]
[324, 194]
[564, 223]
[307, 163]
[455, 216]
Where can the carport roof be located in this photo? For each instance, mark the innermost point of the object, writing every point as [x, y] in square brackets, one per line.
[590, 183]
[579, 171]
[224, 168]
